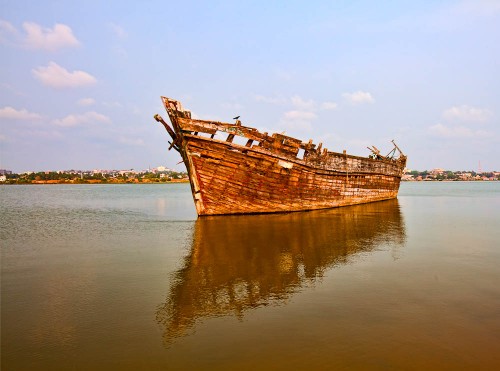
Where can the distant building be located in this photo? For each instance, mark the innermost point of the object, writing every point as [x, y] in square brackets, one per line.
[162, 169]
[5, 172]
[437, 171]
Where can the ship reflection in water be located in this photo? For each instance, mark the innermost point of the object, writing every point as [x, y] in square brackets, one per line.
[238, 263]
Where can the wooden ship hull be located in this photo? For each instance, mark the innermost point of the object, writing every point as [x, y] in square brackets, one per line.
[273, 173]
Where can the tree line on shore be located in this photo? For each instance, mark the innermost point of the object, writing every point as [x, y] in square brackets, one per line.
[450, 175]
[54, 177]
[86, 177]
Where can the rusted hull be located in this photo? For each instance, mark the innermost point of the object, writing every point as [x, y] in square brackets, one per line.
[269, 177]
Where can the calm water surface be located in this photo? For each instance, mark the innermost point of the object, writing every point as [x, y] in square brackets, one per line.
[124, 277]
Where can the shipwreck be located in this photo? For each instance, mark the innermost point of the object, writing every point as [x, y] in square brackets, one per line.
[247, 172]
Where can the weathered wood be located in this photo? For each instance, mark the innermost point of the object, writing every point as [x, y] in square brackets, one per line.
[166, 126]
[265, 175]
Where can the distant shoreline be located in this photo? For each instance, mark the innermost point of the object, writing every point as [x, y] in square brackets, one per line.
[182, 181]
[51, 182]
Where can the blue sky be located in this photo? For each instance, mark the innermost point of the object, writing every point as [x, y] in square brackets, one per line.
[81, 81]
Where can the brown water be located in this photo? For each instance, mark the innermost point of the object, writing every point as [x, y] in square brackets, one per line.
[123, 277]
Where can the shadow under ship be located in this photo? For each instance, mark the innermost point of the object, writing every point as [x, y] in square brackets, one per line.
[273, 173]
[239, 263]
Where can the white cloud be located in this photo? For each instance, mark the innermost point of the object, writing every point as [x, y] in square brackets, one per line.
[306, 110]
[8, 32]
[328, 105]
[441, 130]
[86, 102]
[58, 77]
[358, 97]
[302, 104]
[467, 113]
[117, 30]
[38, 37]
[7, 27]
[298, 121]
[86, 118]
[12, 113]
[298, 102]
